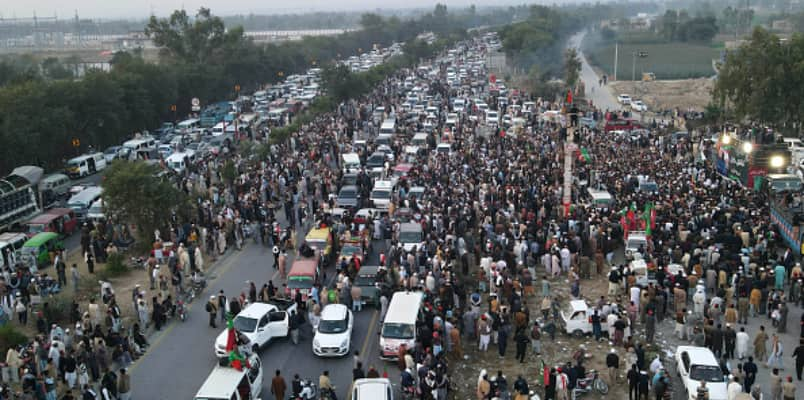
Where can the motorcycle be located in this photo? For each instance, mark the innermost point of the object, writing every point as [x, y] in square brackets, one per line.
[409, 392]
[592, 381]
[181, 311]
[309, 391]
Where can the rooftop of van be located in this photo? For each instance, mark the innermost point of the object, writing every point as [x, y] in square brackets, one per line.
[410, 226]
[403, 307]
[221, 383]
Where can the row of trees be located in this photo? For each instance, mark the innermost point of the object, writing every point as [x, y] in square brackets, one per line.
[762, 81]
[40, 116]
[680, 27]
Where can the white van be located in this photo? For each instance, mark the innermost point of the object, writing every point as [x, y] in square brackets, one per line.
[419, 139]
[10, 243]
[410, 235]
[86, 165]
[188, 125]
[600, 198]
[81, 202]
[58, 184]
[381, 194]
[399, 326]
[144, 143]
[388, 126]
[227, 383]
[96, 211]
[351, 162]
[178, 161]
[217, 130]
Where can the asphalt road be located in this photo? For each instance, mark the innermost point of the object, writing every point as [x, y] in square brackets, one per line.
[181, 357]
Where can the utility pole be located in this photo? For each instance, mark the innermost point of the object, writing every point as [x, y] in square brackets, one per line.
[616, 56]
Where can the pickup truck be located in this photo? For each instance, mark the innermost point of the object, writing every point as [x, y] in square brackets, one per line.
[259, 323]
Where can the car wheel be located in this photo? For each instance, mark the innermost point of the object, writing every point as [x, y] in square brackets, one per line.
[577, 333]
[255, 348]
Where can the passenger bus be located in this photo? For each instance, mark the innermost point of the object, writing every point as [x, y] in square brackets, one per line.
[17, 200]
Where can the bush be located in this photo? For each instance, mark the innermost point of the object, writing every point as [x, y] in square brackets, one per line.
[10, 337]
[115, 265]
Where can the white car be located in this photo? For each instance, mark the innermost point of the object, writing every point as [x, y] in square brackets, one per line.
[492, 117]
[333, 337]
[372, 389]
[624, 99]
[638, 105]
[696, 364]
[259, 322]
[577, 318]
[452, 119]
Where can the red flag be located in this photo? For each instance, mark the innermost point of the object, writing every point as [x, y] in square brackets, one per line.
[569, 96]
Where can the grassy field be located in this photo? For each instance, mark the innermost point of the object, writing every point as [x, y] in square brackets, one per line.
[666, 60]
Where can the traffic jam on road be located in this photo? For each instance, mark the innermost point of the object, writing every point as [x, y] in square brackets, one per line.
[465, 215]
[458, 180]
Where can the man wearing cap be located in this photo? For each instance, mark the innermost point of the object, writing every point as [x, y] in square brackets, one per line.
[613, 364]
[212, 310]
[729, 341]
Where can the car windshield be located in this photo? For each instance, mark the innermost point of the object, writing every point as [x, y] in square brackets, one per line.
[708, 373]
[33, 229]
[381, 194]
[347, 193]
[349, 250]
[410, 237]
[245, 324]
[330, 326]
[393, 330]
[365, 280]
[111, 150]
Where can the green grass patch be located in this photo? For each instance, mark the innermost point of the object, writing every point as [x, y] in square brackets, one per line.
[666, 60]
[10, 337]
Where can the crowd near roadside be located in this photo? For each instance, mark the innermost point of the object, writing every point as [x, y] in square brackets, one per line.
[496, 240]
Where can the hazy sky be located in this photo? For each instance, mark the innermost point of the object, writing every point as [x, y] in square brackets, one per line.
[143, 8]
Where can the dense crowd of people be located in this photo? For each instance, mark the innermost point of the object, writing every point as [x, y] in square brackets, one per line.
[497, 240]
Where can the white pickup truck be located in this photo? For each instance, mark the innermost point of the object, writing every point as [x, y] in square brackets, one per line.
[259, 323]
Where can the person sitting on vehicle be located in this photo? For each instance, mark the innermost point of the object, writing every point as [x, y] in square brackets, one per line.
[521, 388]
[407, 379]
[325, 385]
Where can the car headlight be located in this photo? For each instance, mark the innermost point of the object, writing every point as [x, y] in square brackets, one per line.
[315, 344]
[345, 343]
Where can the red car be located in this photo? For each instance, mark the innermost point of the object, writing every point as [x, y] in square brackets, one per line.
[621, 125]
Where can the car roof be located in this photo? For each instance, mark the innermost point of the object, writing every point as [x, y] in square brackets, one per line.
[256, 310]
[372, 388]
[334, 312]
[368, 270]
[579, 305]
[699, 355]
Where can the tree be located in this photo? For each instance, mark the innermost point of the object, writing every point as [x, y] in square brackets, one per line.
[701, 29]
[763, 79]
[133, 193]
[572, 66]
[195, 41]
[668, 25]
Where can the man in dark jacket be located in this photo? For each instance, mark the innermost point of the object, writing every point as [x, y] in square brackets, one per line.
[717, 341]
[613, 364]
[750, 370]
[643, 385]
[633, 382]
[730, 340]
